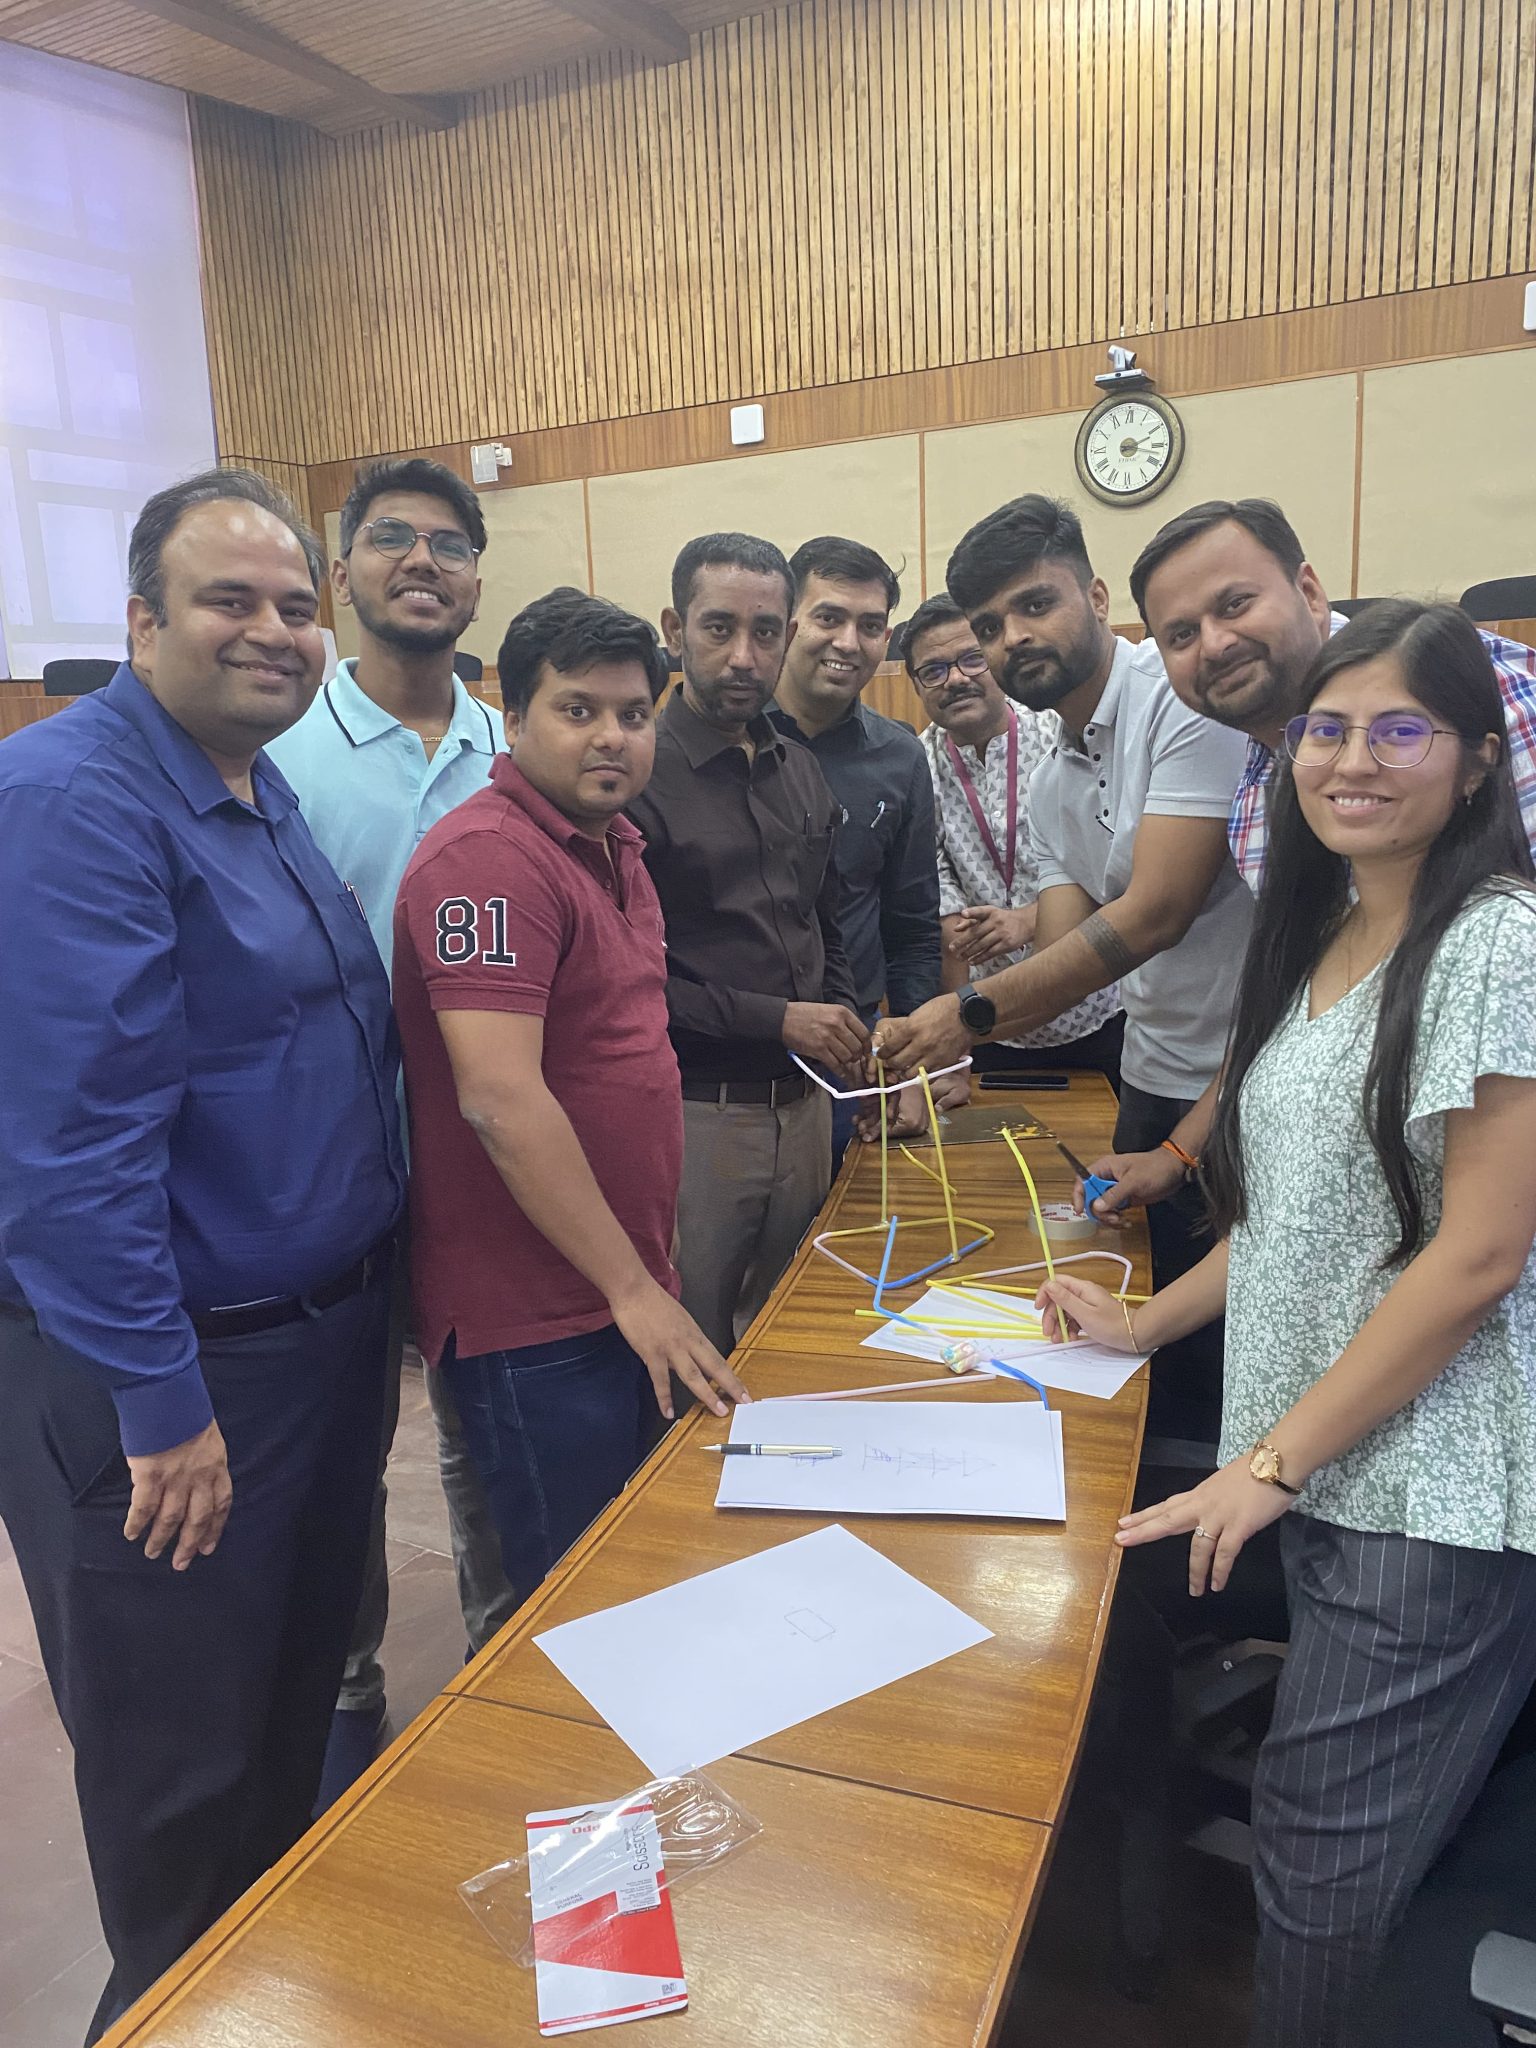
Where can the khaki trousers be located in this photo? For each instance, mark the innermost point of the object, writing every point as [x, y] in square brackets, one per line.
[753, 1178]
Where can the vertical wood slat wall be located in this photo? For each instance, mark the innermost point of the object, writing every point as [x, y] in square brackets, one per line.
[853, 188]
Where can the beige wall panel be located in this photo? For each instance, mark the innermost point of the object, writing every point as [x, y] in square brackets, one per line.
[865, 489]
[1292, 442]
[536, 537]
[1447, 487]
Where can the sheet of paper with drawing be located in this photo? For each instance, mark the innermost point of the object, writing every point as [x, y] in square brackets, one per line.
[902, 1458]
[689, 1674]
[1077, 1368]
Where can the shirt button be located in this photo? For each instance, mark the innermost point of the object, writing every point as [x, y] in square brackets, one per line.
[1102, 783]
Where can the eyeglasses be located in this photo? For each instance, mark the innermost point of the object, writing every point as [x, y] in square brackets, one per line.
[972, 663]
[1397, 739]
[396, 537]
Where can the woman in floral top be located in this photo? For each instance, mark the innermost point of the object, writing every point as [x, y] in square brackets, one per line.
[1372, 1178]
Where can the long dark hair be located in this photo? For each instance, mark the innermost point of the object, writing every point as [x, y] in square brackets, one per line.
[1305, 897]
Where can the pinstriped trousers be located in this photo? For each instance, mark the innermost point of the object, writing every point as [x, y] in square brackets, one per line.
[1408, 1662]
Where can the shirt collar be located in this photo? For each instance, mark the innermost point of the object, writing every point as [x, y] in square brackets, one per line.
[360, 719]
[183, 759]
[702, 742]
[851, 730]
[1108, 706]
[510, 781]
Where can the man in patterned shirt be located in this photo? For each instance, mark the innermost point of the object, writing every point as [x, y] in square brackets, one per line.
[1239, 615]
[981, 751]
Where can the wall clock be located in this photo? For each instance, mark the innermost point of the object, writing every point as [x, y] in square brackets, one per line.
[1129, 447]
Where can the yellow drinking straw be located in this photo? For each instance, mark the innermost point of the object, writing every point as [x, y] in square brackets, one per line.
[1034, 1203]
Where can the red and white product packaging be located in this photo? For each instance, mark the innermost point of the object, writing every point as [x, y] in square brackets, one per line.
[604, 1940]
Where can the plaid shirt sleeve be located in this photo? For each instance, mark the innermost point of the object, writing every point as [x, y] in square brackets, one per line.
[1515, 667]
[1248, 819]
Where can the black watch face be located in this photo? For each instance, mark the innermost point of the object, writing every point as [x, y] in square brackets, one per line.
[978, 1012]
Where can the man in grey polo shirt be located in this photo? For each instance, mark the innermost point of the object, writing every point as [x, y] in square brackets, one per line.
[1127, 824]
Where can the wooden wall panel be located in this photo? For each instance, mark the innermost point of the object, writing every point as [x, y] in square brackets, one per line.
[849, 190]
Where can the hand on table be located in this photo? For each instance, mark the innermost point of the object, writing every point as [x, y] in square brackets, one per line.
[908, 1115]
[1140, 1178]
[669, 1341]
[952, 1091]
[1219, 1515]
[979, 935]
[825, 1032]
[182, 1494]
[932, 1037]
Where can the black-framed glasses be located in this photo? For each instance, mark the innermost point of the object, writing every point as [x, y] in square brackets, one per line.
[396, 537]
[932, 673]
[1397, 739]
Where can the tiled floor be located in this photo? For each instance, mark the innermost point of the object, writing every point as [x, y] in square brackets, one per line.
[52, 1963]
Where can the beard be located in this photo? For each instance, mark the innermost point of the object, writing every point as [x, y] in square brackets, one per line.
[1040, 678]
[1262, 698]
[427, 637]
[710, 701]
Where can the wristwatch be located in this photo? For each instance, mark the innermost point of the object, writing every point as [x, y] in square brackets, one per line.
[978, 1013]
[1265, 1464]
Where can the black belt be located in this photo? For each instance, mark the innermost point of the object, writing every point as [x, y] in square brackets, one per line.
[773, 1093]
[253, 1316]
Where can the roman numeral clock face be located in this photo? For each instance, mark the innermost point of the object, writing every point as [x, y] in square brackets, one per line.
[1128, 449]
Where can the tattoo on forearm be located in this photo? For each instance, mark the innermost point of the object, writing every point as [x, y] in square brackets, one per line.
[1108, 944]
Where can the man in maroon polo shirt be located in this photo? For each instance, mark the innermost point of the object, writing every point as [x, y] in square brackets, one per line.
[544, 1101]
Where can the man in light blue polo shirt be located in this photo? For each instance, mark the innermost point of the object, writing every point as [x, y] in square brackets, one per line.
[390, 745]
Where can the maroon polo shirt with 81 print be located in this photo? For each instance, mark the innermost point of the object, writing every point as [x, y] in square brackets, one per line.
[507, 906]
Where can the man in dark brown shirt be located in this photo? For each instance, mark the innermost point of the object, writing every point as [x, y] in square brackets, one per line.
[738, 822]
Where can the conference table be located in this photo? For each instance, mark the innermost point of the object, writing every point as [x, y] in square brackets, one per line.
[905, 1835]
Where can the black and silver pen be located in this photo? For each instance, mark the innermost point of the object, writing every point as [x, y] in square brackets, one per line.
[772, 1450]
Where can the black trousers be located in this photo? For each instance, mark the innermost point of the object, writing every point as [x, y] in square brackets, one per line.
[1184, 1400]
[198, 1702]
[1098, 1051]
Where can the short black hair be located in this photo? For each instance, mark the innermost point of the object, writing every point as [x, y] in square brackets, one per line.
[844, 561]
[938, 610]
[728, 551]
[1261, 517]
[417, 473]
[1010, 540]
[573, 632]
[163, 513]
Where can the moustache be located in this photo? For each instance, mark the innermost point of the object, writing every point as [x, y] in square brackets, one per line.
[1214, 673]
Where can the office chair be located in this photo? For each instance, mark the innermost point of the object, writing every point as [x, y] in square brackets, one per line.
[469, 668]
[1447, 1981]
[76, 677]
[1506, 597]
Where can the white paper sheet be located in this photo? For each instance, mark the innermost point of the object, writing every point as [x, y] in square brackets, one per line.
[716, 1663]
[901, 1458]
[1076, 1368]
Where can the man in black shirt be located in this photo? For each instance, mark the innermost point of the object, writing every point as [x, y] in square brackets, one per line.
[739, 826]
[886, 851]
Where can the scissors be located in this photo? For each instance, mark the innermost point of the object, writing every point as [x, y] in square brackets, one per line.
[1094, 1184]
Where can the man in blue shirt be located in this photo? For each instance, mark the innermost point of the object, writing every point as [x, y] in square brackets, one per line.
[200, 1178]
[392, 743]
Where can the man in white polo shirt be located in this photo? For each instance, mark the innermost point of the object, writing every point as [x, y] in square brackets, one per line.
[392, 743]
[1127, 825]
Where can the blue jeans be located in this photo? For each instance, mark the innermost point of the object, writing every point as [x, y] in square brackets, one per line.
[555, 1431]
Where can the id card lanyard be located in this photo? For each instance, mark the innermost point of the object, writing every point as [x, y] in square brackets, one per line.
[1002, 863]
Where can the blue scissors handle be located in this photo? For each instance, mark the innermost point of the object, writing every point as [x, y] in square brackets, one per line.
[1093, 1187]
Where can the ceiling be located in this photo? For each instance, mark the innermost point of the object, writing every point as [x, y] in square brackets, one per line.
[352, 64]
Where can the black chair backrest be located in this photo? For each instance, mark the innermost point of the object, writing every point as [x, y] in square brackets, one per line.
[469, 668]
[76, 677]
[1351, 607]
[1506, 597]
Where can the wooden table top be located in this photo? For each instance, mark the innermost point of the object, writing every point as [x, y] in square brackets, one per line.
[905, 1834]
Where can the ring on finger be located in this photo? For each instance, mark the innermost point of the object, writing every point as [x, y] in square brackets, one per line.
[1203, 1533]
